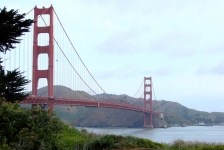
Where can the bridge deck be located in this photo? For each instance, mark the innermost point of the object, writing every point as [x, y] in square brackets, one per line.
[86, 103]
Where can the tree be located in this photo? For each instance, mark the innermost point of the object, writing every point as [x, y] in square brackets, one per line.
[31, 129]
[13, 86]
[12, 26]
[2, 78]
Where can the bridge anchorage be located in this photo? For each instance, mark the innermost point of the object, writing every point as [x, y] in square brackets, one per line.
[50, 100]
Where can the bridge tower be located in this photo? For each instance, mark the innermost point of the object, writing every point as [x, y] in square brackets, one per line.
[49, 50]
[148, 102]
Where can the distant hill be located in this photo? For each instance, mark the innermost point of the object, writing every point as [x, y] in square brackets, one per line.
[65, 92]
[174, 113]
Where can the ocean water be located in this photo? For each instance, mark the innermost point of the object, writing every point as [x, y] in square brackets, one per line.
[168, 135]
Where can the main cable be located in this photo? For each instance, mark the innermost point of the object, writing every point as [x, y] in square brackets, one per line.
[70, 62]
[29, 11]
[138, 88]
[153, 91]
[80, 57]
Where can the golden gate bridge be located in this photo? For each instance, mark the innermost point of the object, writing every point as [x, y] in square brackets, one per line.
[55, 61]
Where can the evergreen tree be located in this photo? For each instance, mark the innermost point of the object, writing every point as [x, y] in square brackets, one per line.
[13, 86]
[2, 78]
[12, 26]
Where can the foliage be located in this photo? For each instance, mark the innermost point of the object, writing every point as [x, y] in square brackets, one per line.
[12, 26]
[12, 85]
[27, 129]
[2, 77]
[120, 142]
[70, 137]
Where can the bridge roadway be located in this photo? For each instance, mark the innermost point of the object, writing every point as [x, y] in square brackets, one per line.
[86, 103]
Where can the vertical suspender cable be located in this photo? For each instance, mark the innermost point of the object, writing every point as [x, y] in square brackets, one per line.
[154, 91]
[80, 58]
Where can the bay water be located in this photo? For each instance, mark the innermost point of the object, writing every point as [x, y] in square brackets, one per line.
[168, 135]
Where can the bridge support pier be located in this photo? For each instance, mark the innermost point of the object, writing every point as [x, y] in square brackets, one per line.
[51, 104]
[148, 102]
[48, 49]
[148, 120]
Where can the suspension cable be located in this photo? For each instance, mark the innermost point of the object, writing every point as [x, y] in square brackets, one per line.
[29, 11]
[71, 63]
[139, 88]
[142, 94]
[153, 91]
[80, 57]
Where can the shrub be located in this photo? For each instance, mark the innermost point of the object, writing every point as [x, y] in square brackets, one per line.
[27, 129]
[113, 141]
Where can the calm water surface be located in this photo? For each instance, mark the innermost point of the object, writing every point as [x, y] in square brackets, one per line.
[189, 133]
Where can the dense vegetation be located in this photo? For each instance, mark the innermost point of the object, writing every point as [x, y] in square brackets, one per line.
[27, 129]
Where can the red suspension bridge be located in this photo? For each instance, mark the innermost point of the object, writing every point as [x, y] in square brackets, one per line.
[54, 54]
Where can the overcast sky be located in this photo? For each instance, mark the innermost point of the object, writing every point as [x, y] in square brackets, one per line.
[179, 43]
